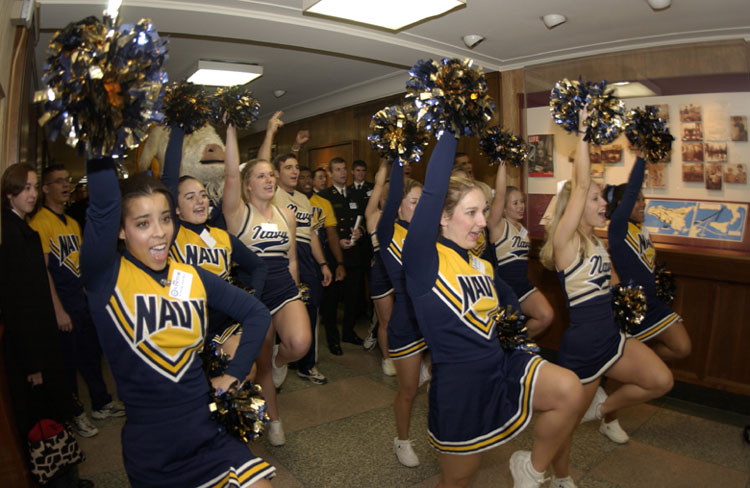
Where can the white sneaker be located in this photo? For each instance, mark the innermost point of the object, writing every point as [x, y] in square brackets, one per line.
[524, 474]
[276, 435]
[594, 410]
[370, 341]
[405, 453]
[388, 368]
[83, 426]
[313, 376]
[115, 408]
[614, 432]
[278, 373]
[566, 482]
[424, 374]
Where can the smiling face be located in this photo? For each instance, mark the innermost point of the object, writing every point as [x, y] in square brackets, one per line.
[57, 187]
[192, 201]
[409, 203]
[637, 214]
[467, 221]
[25, 201]
[147, 229]
[594, 213]
[288, 174]
[320, 180]
[261, 181]
[305, 181]
[515, 206]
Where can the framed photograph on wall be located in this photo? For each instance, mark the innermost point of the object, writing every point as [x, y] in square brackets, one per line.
[738, 128]
[735, 173]
[541, 158]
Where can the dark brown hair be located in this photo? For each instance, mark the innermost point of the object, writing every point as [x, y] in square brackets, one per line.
[14, 181]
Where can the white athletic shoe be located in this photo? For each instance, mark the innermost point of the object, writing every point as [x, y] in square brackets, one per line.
[82, 426]
[614, 432]
[424, 374]
[276, 435]
[115, 408]
[278, 373]
[566, 482]
[370, 341]
[524, 474]
[405, 453]
[388, 368]
[593, 412]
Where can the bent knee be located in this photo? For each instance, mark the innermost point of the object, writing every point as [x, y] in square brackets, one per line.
[662, 382]
[683, 349]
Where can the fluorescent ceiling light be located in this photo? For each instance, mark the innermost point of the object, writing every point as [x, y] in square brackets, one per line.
[390, 14]
[632, 89]
[218, 73]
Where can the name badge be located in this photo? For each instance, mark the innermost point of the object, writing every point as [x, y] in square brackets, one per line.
[524, 232]
[353, 205]
[369, 192]
[181, 283]
[269, 227]
[477, 264]
[207, 238]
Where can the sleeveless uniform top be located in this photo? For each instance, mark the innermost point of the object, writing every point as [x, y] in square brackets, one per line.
[593, 342]
[267, 238]
[512, 257]
[303, 211]
[60, 235]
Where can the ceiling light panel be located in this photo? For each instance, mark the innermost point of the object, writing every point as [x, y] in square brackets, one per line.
[389, 14]
[217, 73]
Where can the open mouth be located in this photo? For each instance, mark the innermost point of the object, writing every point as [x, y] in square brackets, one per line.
[159, 253]
[212, 161]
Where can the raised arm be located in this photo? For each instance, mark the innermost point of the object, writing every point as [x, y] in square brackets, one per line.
[244, 308]
[392, 202]
[172, 159]
[372, 211]
[274, 124]
[252, 269]
[498, 203]
[618, 225]
[419, 253]
[564, 241]
[231, 201]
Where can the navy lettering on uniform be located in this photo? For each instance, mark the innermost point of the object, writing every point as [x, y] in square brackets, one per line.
[643, 244]
[518, 241]
[473, 288]
[199, 255]
[270, 238]
[153, 314]
[599, 270]
[303, 218]
[68, 245]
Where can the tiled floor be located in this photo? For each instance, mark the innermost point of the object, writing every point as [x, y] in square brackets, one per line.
[341, 435]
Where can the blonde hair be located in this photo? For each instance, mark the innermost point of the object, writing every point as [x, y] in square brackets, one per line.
[547, 253]
[247, 170]
[457, 188]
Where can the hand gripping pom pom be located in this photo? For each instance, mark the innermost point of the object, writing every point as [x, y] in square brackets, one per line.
[103, 85]
[629, 306]
[503, 147]
[645, 130]
[606, 118]
[239, 105]
[512, 332]
[396, 134]
[186, 106]
[450, 95]
[241, 411]
[665, 284]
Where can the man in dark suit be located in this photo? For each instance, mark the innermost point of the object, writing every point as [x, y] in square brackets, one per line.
[361, 190]
[346, 207]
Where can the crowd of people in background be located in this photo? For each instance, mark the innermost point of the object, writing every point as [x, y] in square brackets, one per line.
[146, 276]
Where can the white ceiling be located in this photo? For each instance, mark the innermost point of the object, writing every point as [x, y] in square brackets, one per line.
[324, 65]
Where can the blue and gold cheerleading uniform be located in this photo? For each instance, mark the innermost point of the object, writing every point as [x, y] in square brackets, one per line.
[480, 396]
[380, 283]
[269, 239]
[151, 325]
[210, 248]
[634, 257]
[512, 255]
[592, 343]
[404, 337]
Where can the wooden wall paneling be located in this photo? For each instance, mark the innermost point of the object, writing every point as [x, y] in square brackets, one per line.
[14, 97]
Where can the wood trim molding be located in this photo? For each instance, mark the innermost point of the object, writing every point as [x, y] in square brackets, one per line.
[15, 97]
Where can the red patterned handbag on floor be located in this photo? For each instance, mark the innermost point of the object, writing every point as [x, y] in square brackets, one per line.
[51, 448]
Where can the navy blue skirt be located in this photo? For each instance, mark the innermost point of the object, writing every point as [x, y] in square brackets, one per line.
[404, 337]
[280, 287]
[380, 283]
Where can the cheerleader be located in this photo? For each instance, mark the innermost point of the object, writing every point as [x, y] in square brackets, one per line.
[634, 258]
[150, 313]
[268, 230]
[593, 346]
[207, 247]
[406, 346]
[480, 395]
[511, 243]
[381, 290]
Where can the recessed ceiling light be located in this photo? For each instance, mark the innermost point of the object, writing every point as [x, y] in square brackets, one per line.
[553, 20]
[472, 40]
[279, 93]
[219, 73]
[390, 14]
[659, 4]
